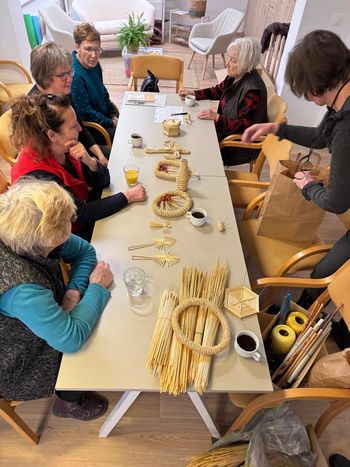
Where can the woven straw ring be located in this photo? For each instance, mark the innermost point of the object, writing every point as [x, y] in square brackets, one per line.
[203, 302]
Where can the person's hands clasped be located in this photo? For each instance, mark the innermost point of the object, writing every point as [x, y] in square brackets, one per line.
[135, 194]
[208, 114]
[259, 129]
[302, 178]
[185, 92]
[101, 275]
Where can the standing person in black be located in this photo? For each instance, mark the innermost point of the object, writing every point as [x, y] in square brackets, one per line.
[319, 70]
[51, 67]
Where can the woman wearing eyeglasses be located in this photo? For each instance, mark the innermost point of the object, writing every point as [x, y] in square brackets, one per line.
[90, 96]
[45, 131]
[318, 69]
[51, 67]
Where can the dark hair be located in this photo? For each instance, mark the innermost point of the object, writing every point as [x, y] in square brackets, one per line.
[33, 116]
[44, 61]
[85, 32]
[319, 62]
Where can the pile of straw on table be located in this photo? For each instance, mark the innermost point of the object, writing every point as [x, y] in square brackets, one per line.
[176, 365]
[232, 456]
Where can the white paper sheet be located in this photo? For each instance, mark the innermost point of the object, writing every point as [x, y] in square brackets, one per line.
[150, 99]
[164, 113]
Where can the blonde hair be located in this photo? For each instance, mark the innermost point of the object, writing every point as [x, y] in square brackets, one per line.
[33, 214]
[248, 53]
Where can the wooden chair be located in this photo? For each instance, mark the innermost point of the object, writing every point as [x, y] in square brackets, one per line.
[7, 412]
[245, 186]
[168, 68]
[99, 128]
[339, 398]
[7, 151]
[12, 89]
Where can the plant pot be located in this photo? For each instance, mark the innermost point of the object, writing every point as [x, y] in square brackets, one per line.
[132, 49]
[197, 8]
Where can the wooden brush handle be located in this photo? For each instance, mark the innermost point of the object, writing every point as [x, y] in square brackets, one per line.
[141, 257]
[136, 247]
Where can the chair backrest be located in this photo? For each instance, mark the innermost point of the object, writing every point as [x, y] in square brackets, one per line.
[7, 150]
[274, 54]
[339, 291]
[276, 109]
[273, 150]
[4, 182]
[168, 68]
[59, 24]
[227, 21]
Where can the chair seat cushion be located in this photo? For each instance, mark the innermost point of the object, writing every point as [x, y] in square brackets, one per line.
[269, 254]
[241, 196]
[201, 43]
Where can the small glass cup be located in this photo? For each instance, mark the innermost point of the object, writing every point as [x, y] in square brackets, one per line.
[134, 279]
[131, 173]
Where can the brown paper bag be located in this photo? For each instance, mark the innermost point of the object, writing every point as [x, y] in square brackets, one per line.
[285, 214]
[332, 371]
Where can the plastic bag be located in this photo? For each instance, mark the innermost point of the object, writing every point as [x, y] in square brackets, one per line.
[277, 439]
[149, 84]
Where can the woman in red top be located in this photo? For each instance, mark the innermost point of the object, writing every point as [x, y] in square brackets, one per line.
[45, 131]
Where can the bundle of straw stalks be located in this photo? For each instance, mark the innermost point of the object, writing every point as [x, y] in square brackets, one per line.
[175, 363]
[232, 456]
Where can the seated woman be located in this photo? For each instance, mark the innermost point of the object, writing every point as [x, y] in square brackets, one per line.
[40, 316]
[242, 96]
[51, 67]
[45, 131]
[89, 94]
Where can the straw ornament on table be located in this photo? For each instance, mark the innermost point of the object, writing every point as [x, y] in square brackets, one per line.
[170, 170]
[165, 225]
[171, 150]
[172, 204]
[159, 242]
[166, 258]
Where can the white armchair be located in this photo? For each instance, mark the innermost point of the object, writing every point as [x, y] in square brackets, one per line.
[215, 36]
[59, 25]
[108, 16]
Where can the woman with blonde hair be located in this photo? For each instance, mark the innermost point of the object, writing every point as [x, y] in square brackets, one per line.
[45, 131]
[40, 316]
[242, 98]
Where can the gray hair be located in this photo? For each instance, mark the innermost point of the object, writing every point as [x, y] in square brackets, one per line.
[248, 53]
[44, 61]
[33, 214]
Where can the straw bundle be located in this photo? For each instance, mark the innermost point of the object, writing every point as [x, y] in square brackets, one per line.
[232, 456]
[159, 348]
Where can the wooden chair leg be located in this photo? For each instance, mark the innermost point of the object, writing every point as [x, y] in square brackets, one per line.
[223, 59]
[193, 54]
[205, 66]
[333, 410]
[9, 414]
[213, 61]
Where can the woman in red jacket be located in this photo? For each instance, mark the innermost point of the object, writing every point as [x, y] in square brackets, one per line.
[45, 131]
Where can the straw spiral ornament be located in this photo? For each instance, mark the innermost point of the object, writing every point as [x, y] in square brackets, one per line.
[167, 169]
[172, 204]
[209, 350]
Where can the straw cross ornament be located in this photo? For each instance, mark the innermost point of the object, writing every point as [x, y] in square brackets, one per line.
[167, 258]
[171, 150]
[159, 242]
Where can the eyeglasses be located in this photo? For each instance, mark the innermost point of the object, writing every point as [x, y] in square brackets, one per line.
[65, 75]
[93, 50]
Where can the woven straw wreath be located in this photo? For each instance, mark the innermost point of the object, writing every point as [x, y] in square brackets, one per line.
[165, 175]
[172, 208]
[203, 302]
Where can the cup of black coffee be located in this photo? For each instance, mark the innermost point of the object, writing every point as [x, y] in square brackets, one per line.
[247, 344]
[197, 216]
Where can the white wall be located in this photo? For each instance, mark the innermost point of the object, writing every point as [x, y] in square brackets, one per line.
[308, 16]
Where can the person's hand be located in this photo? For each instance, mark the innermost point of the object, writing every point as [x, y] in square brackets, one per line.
[303, 178]
[259, 129]
[115, 120]
[135, 194]
[70, 299]
[103, 160]
[185, 92]
[78, 151]
[208, 114]
[101, 275]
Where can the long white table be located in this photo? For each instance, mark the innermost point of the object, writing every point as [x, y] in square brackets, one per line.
[114, 357]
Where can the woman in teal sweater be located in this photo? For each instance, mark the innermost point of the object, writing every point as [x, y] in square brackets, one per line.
[40, 316]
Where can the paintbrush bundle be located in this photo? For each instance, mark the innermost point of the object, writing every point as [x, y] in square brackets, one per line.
[233, 456]
[180, 365]
[303, 353]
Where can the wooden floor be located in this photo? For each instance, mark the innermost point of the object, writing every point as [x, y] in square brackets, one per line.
[158, 430]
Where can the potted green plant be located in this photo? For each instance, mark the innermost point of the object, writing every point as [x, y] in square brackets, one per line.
[132, 34]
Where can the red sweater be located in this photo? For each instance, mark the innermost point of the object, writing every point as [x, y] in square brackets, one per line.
[28, 162]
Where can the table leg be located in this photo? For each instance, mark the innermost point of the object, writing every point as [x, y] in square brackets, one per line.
[203, 412]
[119, 410]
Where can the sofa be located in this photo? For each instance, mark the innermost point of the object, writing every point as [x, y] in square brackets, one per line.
[108, 16]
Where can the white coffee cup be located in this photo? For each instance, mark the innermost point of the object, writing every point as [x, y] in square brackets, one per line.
[136, 140]
[247, 344]
[197, 216]
[190, 100]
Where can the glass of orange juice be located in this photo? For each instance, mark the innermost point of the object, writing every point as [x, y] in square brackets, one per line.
[131, 173]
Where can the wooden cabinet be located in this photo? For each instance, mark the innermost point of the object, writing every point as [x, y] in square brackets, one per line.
[180, 25]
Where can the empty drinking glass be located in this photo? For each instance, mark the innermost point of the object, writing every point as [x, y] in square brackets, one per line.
[134, 279]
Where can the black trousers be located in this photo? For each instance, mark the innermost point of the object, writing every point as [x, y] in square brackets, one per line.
[238, 156]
